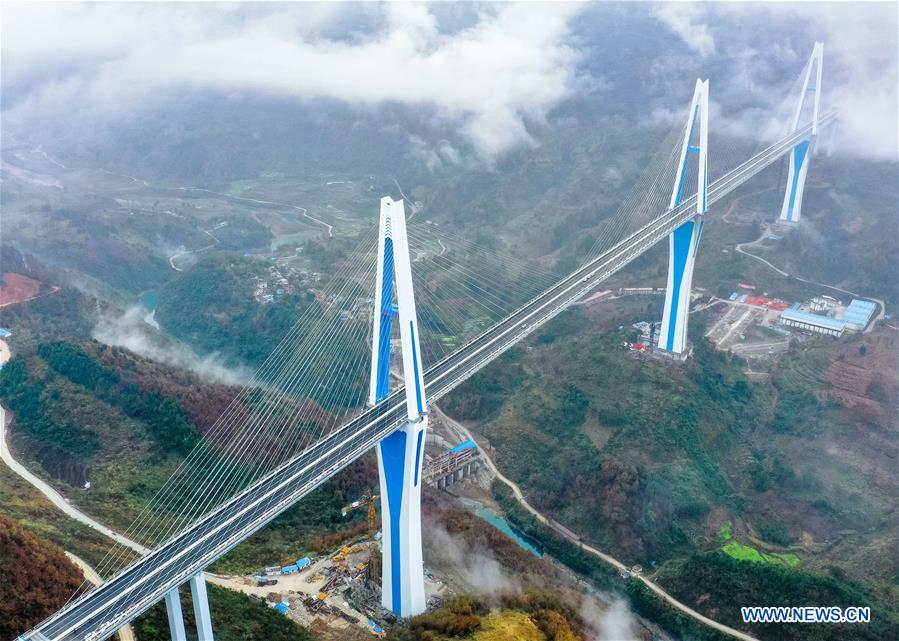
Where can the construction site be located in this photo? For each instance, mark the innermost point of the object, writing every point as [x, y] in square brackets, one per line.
[338, 595]
[757, 325]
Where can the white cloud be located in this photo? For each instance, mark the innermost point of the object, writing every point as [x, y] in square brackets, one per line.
[511, 65]
[476, 566]
[685, 20]
[860, 65]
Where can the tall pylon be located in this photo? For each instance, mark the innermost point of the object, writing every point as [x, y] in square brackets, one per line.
[800, 156]
[683, 242]
[400, 454]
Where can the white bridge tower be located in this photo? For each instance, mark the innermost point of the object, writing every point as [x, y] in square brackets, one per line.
[400, 454]
[800, 156]
[683, 242]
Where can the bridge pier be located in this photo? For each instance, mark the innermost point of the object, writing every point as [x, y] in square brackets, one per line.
[176, 616]
[400, 455]
[683, 242]
[399, 467]
[800, 157]
[201, 607]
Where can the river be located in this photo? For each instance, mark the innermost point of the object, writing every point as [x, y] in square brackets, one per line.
[501, 524]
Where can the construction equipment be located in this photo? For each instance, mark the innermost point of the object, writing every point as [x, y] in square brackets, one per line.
[368, 499]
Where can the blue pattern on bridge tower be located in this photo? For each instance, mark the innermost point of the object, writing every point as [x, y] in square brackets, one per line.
[393, 457]
[418, 454]
[799, 154]
[386, 314]
[415, 370]
[681, 250]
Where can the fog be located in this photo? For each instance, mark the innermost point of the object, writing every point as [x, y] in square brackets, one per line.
[614, 623]
[129, 330]
[476, 566]
[488, 77]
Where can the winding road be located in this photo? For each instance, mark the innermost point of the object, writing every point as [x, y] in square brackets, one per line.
[192, 251]
[740, 249]
[55, 497]
[465, 434]
[125, 633]
[302, 210]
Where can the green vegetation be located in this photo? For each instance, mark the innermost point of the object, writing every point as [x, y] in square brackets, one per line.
[656, 462]
[30, 396]
[556, 546]
[114, 434]
[651, 486]
[211, 307]
[166, 420]
[742, 552]
[725, 532]
[235, 617]
[647, 604]
[82, 235]
[21, 501]
[747, 553]
[601, 574]
[715, 583]
[89, 412]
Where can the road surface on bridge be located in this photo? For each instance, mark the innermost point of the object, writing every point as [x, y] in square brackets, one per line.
[99, 613]
[125, 633]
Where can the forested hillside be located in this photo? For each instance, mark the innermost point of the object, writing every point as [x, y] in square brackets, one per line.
[236, 617]
[505, 617]
[211, 307]
[89, 412]
[36, 578]
[657, 461]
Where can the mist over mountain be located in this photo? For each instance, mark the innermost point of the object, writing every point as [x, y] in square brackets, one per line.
[229, 91]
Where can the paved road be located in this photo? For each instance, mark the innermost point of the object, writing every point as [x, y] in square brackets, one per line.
[192, 251]
[571, 537]
[55, 497]
[303, 211]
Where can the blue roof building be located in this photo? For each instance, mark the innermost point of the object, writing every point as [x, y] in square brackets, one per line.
[465, 445]
[795, 317]
[859, 313]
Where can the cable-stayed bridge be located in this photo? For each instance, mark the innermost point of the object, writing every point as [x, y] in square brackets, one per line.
[395, 421]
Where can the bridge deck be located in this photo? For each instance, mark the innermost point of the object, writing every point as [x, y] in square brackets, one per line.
[99, 613]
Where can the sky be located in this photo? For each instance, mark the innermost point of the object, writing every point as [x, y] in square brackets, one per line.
[492, 73]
